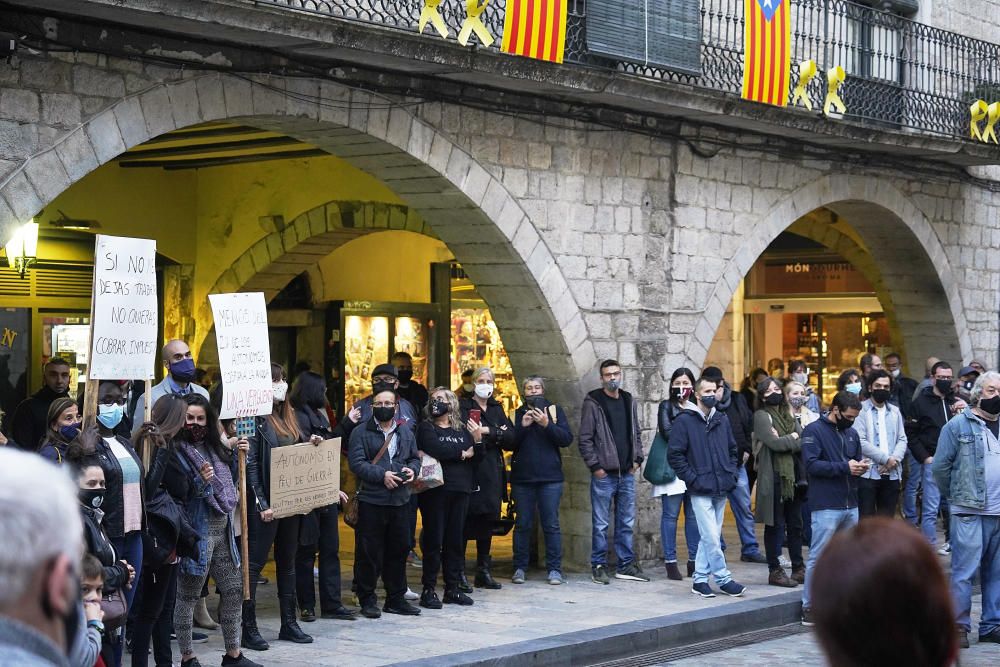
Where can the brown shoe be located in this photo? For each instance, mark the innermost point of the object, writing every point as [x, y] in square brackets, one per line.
[672, 571]
[799, 574]
[779, 578]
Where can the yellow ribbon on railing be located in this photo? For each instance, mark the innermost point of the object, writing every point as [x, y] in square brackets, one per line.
[807, 71]
[834, 77]
[992, 116]
[430, 14]
[977, 112]
[473, 23]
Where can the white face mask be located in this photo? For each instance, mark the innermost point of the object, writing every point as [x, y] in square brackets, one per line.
[469, 387]
[484, 390]
[280, 390]
[895, 373]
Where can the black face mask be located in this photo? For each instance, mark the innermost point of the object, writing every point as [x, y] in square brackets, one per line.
[772, 399]
[404, 375]
[943, 386]
[383, 414]
[92, 498]
[844, 423]
[990, 406]
[438, 408]
[880, 395]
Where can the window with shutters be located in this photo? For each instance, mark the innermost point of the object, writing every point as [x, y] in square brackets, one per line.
[662, 33]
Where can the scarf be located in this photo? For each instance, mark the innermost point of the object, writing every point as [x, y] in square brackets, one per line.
[223, 498]
[784, 462]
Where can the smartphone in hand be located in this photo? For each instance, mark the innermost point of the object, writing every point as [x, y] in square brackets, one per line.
[476, 415]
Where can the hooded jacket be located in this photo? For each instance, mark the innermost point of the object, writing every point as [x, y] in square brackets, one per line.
[703, 452]
[597, 444]
[931, 412]
[734, 406]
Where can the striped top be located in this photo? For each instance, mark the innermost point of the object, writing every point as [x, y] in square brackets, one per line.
[131, 490]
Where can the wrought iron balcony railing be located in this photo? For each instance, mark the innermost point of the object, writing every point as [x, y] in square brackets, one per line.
[900, 73]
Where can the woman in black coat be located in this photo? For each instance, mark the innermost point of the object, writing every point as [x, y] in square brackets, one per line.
[490, 489]
[458, 447]
[319, 531]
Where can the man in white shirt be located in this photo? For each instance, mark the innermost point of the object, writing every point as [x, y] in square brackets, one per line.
[883, 440]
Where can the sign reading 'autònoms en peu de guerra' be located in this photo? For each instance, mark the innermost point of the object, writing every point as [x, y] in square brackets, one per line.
[124, 325]
[244, 353]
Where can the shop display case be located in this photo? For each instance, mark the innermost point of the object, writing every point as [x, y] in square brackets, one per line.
[68, 338]
[475, 343]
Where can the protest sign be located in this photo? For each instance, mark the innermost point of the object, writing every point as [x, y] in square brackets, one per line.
[244, 353]
[304, 477]
[124, 310]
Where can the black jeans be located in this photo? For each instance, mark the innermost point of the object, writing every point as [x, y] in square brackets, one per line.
[284, 535]
[479, 527]
[414, 504]
[383, 541]
[153, 617]
[787, 528]
[329, 565]
[442, 540]
[878, 497]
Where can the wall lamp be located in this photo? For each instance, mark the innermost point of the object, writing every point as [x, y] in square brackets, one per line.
[22, 249]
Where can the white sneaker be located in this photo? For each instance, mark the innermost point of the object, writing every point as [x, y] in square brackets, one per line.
[410, 595]
[945, 549]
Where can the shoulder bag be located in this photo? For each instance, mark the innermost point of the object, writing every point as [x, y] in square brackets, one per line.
[350, 509]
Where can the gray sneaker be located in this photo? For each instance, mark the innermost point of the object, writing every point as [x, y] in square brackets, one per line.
[556, 578]
[599, 573]
[631, 572]
[518, 577]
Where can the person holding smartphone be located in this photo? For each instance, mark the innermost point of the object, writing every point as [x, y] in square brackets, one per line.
[384, 458]
[536, 477]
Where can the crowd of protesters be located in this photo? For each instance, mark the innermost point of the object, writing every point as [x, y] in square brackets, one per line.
[154, 534]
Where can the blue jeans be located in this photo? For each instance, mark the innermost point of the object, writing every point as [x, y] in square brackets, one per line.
[910, 488]
[546, 498]
[739, 503]
[709, 512]
[621, 488]
[128, 549]
[975, 545]
[825, 523]
[668, 526]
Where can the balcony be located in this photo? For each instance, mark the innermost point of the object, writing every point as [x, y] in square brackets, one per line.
[901, 74]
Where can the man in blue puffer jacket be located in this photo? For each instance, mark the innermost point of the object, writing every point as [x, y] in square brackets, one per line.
[703, 452]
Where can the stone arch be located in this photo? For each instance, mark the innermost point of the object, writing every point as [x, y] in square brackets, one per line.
[920, 286]
[466, 206]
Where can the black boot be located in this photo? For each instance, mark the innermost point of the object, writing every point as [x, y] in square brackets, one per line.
[484, 579]
[463, 583]
[290, 630]
[251, 638]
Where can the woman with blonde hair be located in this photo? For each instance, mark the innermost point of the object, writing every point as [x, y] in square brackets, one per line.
[459, 448]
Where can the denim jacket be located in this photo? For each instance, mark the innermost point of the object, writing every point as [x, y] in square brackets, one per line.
[867, 424]
[959, 467]
[197, 509]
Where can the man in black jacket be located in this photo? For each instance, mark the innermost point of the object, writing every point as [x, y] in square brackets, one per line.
[733, 405]
[29, 424]
[932, 409]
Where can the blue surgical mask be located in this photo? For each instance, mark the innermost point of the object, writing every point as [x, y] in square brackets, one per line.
[853, 387]
[69, 431]
[110, 415]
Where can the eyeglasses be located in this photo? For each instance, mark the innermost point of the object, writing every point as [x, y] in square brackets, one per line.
[383, 405]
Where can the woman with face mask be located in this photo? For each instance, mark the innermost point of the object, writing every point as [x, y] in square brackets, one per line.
[279, 429]
[850, 380]
[64, 427]
[673, 495]
[458, 447]
[491, 475]
[119, 575]
[776, 436]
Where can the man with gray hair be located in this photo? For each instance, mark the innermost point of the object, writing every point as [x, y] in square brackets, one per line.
[39, 560]
[966, 468]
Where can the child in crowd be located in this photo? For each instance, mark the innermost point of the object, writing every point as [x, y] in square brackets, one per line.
[92, 590]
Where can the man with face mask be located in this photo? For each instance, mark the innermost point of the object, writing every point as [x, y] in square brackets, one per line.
[932, 409]
[611, 447]
[383, 377]
[39, 585]
[28, 425]
[179, 379]
[967, 470]
[702, 451]
[902, 387]
[883, 440]
[467, 388]
[408, 388]
[831, 452]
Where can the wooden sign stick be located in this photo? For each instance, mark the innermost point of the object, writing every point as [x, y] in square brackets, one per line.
[147, 410]
[244, 528]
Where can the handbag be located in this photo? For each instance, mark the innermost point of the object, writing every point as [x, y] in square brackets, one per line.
[431, 475]
[115, 610]
[351, 506]
[657, 471]
[505, 523]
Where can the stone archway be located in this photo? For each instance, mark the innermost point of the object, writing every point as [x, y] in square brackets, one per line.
[466, 206]
[916, 278]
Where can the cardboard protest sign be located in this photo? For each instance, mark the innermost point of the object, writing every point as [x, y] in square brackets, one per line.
[244, 353]
[304, 477]
[124, 317]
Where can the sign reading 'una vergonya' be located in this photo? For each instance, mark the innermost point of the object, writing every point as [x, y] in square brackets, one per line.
[123, 340]
[244, 353]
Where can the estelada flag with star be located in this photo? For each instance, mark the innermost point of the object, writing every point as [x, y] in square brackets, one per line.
[767, 50]
[535, 28]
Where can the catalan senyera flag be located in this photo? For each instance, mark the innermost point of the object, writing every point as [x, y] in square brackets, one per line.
[767, 51]
[535, 29]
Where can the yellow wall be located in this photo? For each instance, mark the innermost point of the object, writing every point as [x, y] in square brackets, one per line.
[382, 266]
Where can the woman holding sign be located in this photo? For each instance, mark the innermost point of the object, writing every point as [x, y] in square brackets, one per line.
[279, 429]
